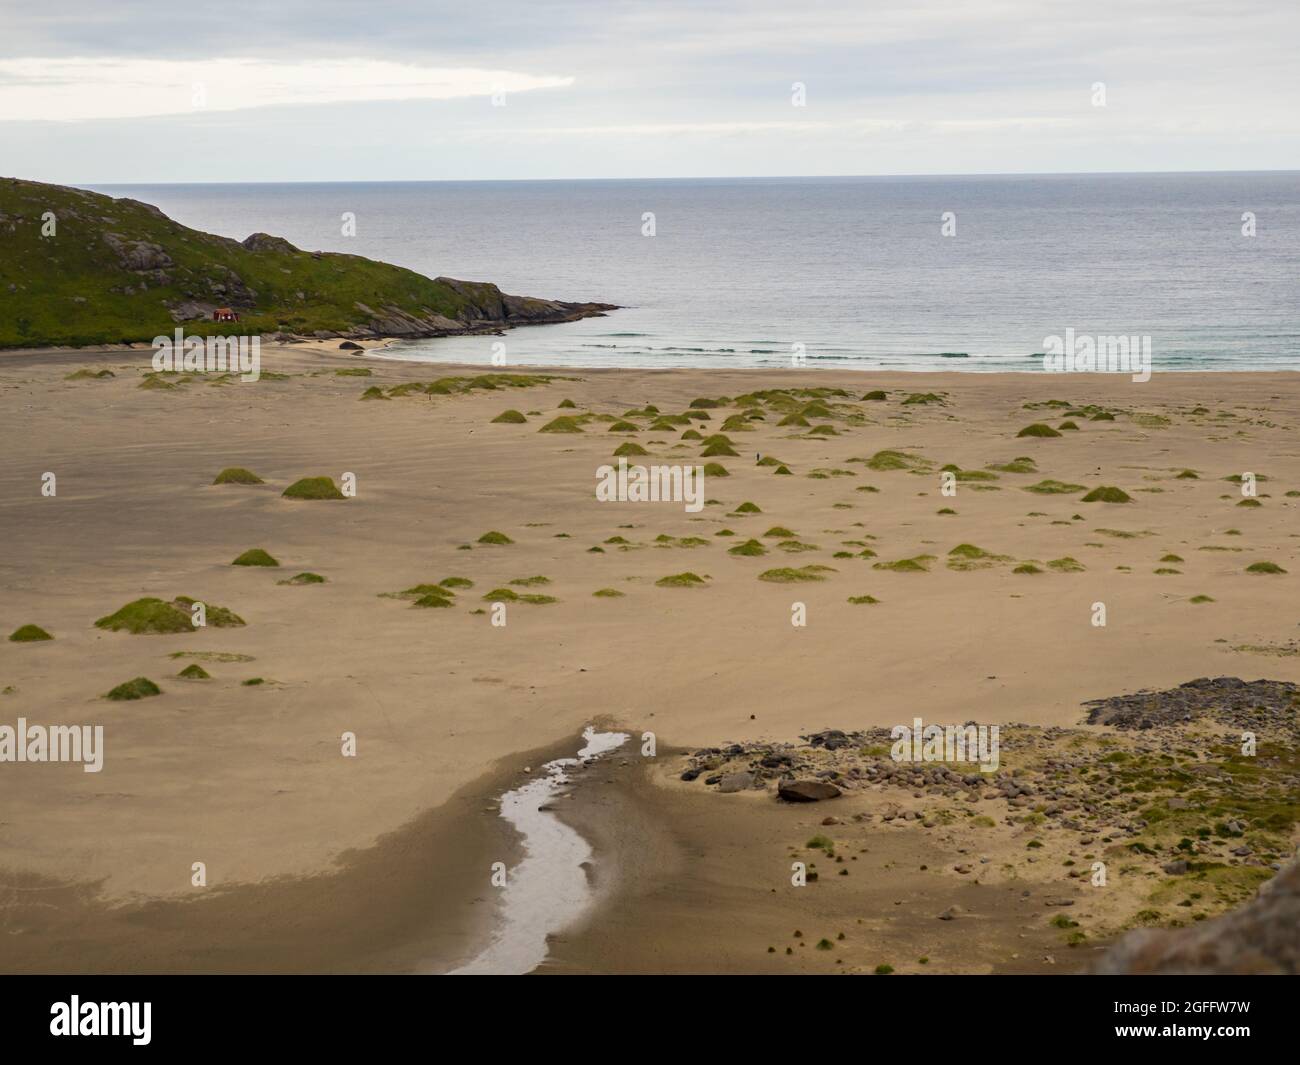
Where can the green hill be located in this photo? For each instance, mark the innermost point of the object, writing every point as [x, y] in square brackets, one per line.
[117, 271]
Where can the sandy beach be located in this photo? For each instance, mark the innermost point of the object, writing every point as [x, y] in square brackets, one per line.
[381, 862]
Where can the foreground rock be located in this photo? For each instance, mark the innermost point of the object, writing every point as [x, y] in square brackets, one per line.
[1263, 937]
[806, 790]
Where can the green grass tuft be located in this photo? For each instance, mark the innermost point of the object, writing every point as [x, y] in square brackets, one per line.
[681, 580]
[1051, 487]
[237, 475]
[313, 488]
[255, 556]
[29, 634]
[151, 616]
[788, 575]
[1038, 429]
[509, 417]
[139, 688]
[563, 424]
[494, 537]
[1107, 494]
[195, 672]
[304, 578]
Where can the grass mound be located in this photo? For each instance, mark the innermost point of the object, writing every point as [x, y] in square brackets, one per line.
[237, 475]
[780, 532]
[374, 392]
[918, 564]
[624, 427]
[1020, 464]
[139, 688]
[194, 672]
[494, 537]
[1107, 494]
[89, 375]
[304, 578]
[509, 417]
[456, 582]
[876, 396]
[1264, 567]
[719, 450]
[509, 595]
[715, 469]
[749, 549]
[629, 449]
[607, 593]
[313, 488]
[1052, 487]
[681, 580]
[896, 460]
[863, 600]
[149, 616]
[563, 424]
[432, 600]
[1038, 429]
[790, 575]
[29, 634]
[1027, 568]
[748, 508]
[255, 556]
[968, 557]
[1066, 565]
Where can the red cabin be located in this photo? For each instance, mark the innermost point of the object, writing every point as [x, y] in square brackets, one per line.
[224, 314]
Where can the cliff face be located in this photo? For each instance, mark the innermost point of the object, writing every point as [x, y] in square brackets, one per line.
[1262, 937]
[82, 268]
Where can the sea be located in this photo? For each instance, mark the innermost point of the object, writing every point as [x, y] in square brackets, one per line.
[900, 273]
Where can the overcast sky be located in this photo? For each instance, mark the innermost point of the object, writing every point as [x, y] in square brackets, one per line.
[97, 91]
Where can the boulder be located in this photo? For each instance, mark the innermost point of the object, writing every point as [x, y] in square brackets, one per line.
[807, 790]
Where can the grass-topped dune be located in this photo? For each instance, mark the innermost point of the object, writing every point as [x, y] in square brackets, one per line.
[121, 271]
[792, 575]
[150, 617]
[139, 688]
[29, 634]
[1107, 494]
[682, 580]
[237, 475]
[313, 488]
[255, 556]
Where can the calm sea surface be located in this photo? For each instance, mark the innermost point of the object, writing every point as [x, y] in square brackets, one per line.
[856, 270]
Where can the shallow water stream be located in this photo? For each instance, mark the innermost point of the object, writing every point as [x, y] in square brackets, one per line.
[548, 889]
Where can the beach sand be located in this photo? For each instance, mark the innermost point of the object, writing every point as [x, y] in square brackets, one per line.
[317, 862]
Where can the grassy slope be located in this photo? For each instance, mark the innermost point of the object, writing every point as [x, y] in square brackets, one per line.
[73, 288]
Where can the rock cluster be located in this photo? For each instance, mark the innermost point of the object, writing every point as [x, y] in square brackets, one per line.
[1257, 705]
